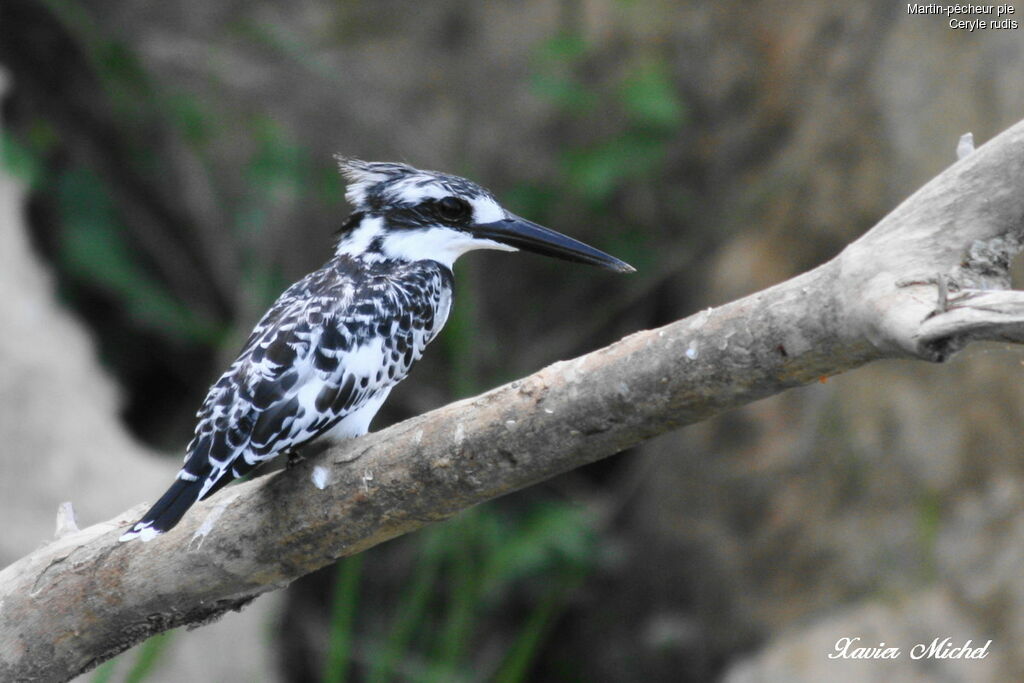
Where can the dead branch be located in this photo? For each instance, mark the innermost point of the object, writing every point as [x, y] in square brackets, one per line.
[928, 279]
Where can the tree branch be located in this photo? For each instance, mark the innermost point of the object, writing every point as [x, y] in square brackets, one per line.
[929, 278]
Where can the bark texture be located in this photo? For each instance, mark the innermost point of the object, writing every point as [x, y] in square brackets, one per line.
[928, 279]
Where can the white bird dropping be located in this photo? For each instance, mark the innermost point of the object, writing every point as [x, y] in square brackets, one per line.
[321, 477]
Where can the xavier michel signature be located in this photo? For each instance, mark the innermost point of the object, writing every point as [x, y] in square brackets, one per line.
[939, 648]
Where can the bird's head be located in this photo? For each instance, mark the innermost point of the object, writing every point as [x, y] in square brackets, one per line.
[408, 214]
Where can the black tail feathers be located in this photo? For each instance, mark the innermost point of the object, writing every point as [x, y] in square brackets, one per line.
[167, 511]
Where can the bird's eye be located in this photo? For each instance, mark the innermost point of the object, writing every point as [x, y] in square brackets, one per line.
[452, 209]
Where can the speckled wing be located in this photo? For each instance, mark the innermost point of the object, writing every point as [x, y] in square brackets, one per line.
[321, 361]
[320, 355]
[262, 405]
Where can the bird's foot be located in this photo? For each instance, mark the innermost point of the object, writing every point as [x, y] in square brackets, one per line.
[294, 458]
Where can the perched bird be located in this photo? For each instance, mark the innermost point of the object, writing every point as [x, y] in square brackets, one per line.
[325, 356]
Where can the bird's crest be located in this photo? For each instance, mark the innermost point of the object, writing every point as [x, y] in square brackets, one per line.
[372, 184]
[363, 176]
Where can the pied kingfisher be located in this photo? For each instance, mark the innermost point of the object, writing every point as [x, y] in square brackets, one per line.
[323, 359]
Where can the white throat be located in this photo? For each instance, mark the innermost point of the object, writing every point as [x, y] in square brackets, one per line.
[443, 245]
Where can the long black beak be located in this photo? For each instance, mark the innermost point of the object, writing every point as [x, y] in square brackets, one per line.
[526, 235]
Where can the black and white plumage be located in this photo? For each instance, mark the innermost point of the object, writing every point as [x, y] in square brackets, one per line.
[323, 359]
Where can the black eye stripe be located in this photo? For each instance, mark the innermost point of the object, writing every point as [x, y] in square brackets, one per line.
[447, 211]
[452, 209]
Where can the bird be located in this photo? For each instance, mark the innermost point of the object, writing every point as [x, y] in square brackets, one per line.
[322, 360]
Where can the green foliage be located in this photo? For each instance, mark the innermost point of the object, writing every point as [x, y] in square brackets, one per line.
[649, 97]
[548, 535]
[197, 126]
[122, 76]
[469, 570]
[520, 656]
[18, 160]
[929, 522]
[145, 658]
[149, 655]
[595, 172]
[532, 200]
[93, 247]
[460, 340]
[343, 610]
[645, 114]
[279, 165]
[411, 611]
[553, 79]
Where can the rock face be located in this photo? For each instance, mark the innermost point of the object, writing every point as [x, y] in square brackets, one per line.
[63, 440]
[62, 436]
[827, 650]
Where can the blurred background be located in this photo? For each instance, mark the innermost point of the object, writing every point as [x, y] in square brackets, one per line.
[166, 172]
